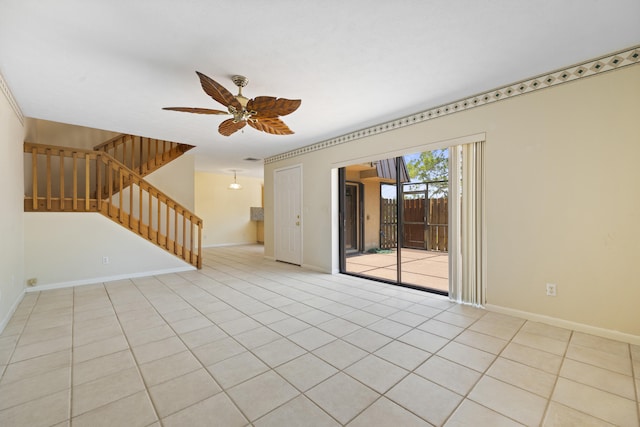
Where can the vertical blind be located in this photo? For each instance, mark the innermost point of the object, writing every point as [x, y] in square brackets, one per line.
[467, 233]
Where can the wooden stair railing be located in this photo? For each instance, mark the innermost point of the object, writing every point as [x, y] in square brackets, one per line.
[143, 155]
[68, 180]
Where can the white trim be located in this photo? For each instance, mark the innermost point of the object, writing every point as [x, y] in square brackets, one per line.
[12, 101]
[315, 268]
[567, 324]
[11, 311]
[222, 245]
[95, 280]
[430, 146]
[590, 68]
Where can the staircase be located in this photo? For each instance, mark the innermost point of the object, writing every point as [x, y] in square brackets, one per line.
[109, 180]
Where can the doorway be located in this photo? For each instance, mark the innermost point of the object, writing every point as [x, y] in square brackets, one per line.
[288, 215]
[352, 219]
[404, 221]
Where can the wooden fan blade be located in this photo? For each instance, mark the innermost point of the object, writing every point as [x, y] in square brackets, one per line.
[272, 125]
[269, 106]
[228, 127]
[218, 92]
[196, 110]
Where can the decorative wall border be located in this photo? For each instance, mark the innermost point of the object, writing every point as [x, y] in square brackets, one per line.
[600, 65]
[11, 99]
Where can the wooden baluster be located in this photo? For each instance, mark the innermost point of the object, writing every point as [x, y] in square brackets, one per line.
[133, 153]
[166, 242]
[87, 182]
[124, 155]
[141, 151]
[159, 225]
[34, 177]
[120, 195]
[61, 154]
[140, 207]
[75, 181]
[150, 215]
[155, 157]
[164, 151]
[48, 152]
[131, 201]
[148, 158]
[184, 236]
[99, 181]
[175, 230]
[110, 186]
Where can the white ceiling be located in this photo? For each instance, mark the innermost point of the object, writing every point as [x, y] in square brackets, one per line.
[113, 64]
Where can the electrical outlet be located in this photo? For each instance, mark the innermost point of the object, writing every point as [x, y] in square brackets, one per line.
[105, 260]
[551, 290]
[32, 281]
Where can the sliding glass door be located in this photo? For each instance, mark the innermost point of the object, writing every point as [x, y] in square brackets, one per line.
[403, 220]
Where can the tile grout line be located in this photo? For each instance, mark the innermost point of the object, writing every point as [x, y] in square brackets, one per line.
[222, 389]
[135, 360]
[73, 317]
[636, 382]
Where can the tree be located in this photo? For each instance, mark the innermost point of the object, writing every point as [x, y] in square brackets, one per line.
[431, 166]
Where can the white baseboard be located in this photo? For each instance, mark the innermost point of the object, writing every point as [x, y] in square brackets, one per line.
[94, 280]
[223, 245]
[567, 324]
[12, 310]
[314, 268]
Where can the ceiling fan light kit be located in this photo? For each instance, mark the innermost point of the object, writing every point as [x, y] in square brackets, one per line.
[261, 113]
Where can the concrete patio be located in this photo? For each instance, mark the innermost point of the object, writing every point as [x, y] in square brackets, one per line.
[421, 268]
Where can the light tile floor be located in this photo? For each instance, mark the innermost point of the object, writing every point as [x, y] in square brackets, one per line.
[247, 341]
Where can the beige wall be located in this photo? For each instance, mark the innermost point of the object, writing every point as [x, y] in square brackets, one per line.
[225, 212]
[563, 204]
[177, 180]
[63, 249]
[11, 209]
[65, 135]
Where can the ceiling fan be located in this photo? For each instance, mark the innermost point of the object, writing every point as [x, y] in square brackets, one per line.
[261, 113]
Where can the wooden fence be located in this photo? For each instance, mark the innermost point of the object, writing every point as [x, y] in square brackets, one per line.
[424, 225]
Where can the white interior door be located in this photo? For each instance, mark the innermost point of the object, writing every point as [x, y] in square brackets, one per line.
[288, 215]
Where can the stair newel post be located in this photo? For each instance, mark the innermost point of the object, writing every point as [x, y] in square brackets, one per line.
[61, 155]
[191, 240]
[75, 180]
[48, 177]
[199, 244]
[34, 176]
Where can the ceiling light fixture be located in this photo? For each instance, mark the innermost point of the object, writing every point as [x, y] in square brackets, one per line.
[234, 185]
